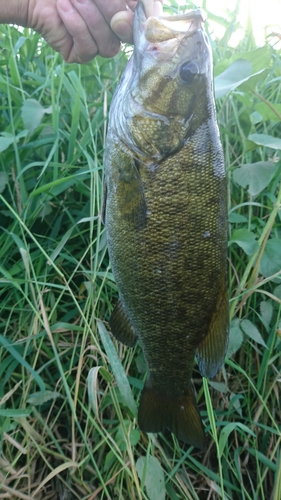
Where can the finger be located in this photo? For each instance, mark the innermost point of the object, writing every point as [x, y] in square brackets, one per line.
[132, 4]
[122, 22]
[153, 8]
[79, 45]
[109, 8]
[107, 42]
[122, 25]
[158, 8]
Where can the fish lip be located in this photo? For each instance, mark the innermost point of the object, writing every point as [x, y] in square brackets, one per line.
[196, 23]
[197, 15]
[175, 26]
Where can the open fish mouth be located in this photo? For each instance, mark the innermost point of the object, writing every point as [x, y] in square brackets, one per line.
[164, 28]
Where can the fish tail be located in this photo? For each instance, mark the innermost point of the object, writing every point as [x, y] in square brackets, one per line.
[179, 414]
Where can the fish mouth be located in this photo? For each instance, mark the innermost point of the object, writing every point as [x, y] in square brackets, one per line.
[164, 28]
[195, 17]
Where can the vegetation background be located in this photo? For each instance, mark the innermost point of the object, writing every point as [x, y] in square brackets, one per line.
[68, 391]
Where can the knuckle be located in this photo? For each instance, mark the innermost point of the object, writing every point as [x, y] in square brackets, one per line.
[80, 57]
[110, 49]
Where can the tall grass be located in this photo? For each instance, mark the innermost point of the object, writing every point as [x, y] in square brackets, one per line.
[68, 391]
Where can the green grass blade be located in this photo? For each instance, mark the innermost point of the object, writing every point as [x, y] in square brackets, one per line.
[117, 368]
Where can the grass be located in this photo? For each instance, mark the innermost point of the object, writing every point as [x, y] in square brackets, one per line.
[68, 391]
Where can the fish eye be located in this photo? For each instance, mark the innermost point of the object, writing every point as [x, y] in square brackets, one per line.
[188, 71]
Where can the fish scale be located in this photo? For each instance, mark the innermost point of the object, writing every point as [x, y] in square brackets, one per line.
[166, 220]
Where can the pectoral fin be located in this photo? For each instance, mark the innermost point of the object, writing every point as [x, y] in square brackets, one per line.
[121, 327]
[130, 193]
[211, 352]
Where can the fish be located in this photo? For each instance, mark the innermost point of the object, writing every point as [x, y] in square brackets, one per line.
[165, 212]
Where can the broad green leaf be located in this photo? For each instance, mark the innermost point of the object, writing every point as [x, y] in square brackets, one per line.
[255, 117]
[232, 77]
[219, 386]
[266, 309]
[271, 258]
[22, 134]
[117, 368]
[226, 431]
[151, 475]
[4, 179]
[245, 239]
[239, 73]
[133, 435]
[267, 112]
[259, 58]
[265, 140]
[245, 98]
[251, 83]
[251, 330]
[235, 401]
[32, 113]
[233, 217]
[277, 291]
[7, 139]
[235, 338]
[255, 175]
[5, 142]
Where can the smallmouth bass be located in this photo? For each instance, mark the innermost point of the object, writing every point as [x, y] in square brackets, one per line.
[166, 217]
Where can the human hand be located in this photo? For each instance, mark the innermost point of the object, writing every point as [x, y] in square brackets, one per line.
[122, 22]
[81, 29]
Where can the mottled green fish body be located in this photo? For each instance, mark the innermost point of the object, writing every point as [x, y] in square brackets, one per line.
[166, 219]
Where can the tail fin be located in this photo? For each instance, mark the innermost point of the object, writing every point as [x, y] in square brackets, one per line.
[180, 415]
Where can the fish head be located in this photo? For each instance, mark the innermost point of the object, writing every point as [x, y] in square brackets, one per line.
[172, 56]
[169, 79]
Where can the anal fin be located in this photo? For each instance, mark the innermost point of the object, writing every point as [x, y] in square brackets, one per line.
[121, 327]
[180, 415]
[211, 352]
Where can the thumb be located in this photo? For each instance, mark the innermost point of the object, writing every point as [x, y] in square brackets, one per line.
[122, 22]
[122, 25]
